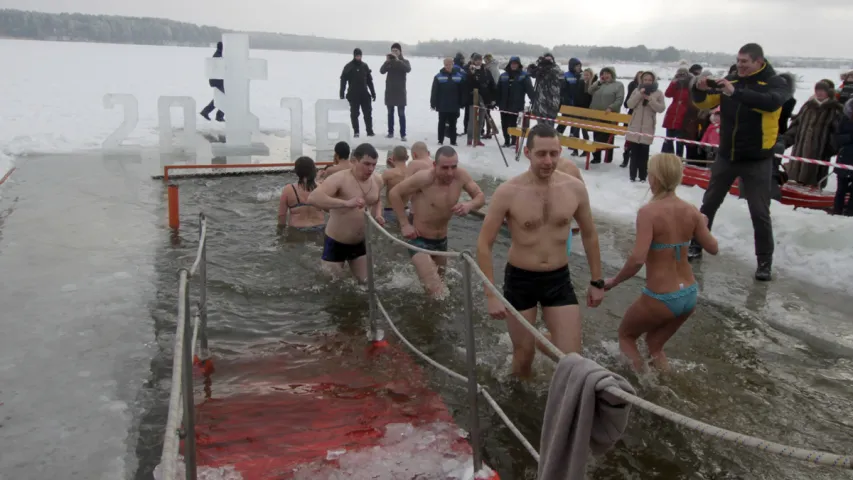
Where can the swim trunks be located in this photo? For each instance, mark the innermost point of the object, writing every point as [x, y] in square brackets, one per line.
[432, 244]
[525, 289]
[678, 302]
[337, 252]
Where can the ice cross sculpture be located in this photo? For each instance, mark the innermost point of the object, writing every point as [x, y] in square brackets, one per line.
[236, 69]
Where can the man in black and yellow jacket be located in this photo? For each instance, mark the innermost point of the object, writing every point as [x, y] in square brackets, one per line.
[750, 103]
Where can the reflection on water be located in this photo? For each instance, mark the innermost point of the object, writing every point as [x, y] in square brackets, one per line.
[730, 368]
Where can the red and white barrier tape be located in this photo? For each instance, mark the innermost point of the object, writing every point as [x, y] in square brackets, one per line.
[566, 121]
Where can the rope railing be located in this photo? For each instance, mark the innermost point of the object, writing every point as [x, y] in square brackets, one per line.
[187, 332]
[811, 456]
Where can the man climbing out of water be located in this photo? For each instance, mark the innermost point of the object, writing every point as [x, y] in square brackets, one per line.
[361, 93]
[435, 199]
[539, 206]
[218, 84]
[750, 103]
[341, 160]
[345, 195]
[393, 176]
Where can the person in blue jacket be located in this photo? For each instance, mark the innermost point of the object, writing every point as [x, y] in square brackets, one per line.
[513, 84]
[844, 141]
[448, 89]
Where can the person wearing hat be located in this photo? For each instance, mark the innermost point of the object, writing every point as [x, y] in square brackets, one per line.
[396, 68]
[811, 134]
[607, 95]
[361, 93]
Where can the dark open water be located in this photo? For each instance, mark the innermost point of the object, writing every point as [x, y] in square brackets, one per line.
[732, 368]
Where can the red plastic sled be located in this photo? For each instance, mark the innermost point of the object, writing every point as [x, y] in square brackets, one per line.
[792, 194]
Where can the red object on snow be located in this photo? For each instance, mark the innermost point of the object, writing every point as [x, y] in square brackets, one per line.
[792, 194]
[271, 413]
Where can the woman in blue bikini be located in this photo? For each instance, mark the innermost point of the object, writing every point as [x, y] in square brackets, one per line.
[303, 217]
[664, 228]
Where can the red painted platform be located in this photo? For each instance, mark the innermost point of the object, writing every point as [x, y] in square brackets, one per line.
[271, 415]
[792, 194]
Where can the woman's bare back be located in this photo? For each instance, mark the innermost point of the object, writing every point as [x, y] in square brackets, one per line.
[674, 224]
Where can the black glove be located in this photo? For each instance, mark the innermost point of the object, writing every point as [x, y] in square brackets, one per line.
[342, 97]
[373, 97]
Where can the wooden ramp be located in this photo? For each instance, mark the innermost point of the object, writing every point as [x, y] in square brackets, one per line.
[336, 409]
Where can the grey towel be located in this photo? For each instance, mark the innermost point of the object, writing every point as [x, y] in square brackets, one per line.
[580, 417]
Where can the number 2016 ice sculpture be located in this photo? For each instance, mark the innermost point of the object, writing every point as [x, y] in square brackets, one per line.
[236, 69]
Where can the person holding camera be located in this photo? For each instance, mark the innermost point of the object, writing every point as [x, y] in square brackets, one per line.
[679, 113]
[397, 68]
[480, 79]
[549, 83]
[750, 103]
[646, 101]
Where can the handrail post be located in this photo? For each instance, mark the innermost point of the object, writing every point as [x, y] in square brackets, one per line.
[375, 333]
[187, 385]
[202, 294]
[471, 357]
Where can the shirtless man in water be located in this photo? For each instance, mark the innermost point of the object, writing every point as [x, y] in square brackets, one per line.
[393, 176]
[539, 206]
[345, 195]
[341, 160]
[420, 159]
[435, 199]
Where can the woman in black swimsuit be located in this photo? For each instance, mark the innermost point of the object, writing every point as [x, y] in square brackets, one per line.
[303, 216]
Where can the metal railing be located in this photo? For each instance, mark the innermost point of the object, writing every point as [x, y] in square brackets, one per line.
[180, 422]
[470, 265]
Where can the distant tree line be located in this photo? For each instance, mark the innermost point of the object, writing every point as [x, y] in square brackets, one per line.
[155, 31]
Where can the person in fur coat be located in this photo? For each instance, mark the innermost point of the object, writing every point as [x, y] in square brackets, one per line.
[811, 134]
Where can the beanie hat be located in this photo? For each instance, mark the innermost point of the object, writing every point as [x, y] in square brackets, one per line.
[397, 46]
[356, 52]
[610, 70]
[695, 68]
[476, 56]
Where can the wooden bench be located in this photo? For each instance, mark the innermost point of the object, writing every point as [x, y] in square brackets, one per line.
[612, 123]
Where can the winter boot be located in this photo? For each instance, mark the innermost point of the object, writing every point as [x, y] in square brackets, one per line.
[206, 112]
[694, 252]
[764, 272]
[220, 116]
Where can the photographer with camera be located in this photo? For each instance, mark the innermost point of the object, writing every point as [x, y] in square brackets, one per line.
[682, 117]
[546, 92]
[478, 78]
[397, 68]
[750, 102]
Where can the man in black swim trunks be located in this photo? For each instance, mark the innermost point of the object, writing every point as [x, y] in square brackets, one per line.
[434, 196]
[345, 195]
[539, 206]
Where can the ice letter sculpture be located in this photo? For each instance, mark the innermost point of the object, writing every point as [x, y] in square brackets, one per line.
[236, 69]
[295, 107]
[164, 114]
[323, 127]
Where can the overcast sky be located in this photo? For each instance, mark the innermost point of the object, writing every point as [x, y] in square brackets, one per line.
[813, 28]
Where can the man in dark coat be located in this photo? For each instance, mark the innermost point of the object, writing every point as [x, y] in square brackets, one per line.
[397, 68]
[512, 87]
[750, 102]
[219, 84]
[361, 92]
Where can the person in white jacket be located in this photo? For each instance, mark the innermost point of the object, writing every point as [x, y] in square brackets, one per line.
[646, 101]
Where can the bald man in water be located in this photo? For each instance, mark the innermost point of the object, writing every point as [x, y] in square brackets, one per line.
[420, 159]
[392, 176]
